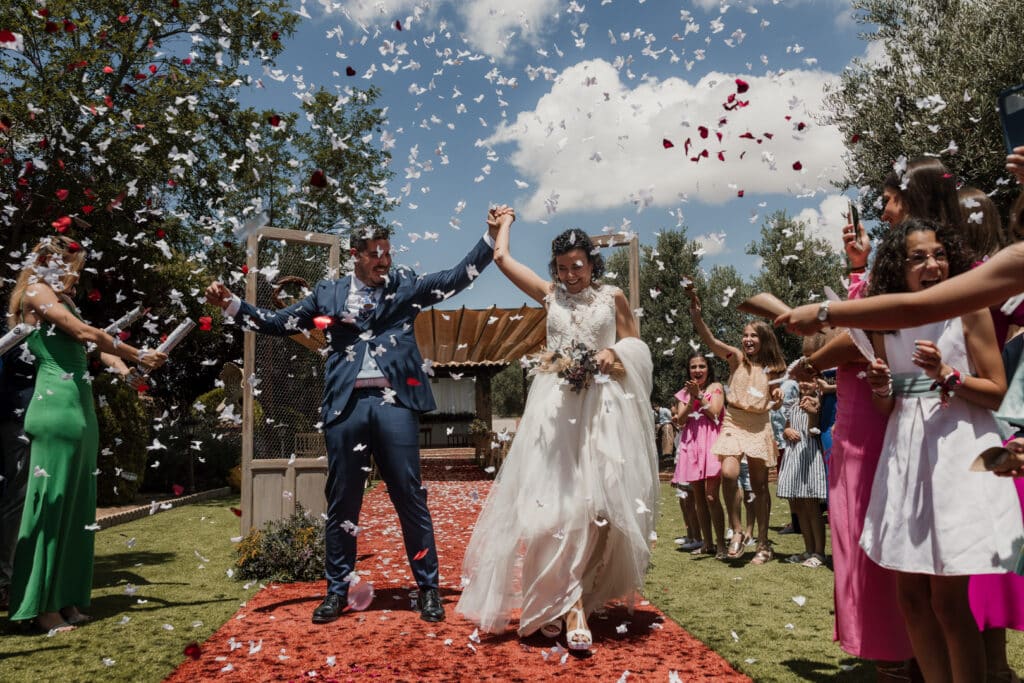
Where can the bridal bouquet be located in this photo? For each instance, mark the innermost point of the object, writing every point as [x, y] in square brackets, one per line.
[577, 365]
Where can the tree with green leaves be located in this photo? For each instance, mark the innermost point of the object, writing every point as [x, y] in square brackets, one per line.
[930, 89]
[795, 267]
[665, 319]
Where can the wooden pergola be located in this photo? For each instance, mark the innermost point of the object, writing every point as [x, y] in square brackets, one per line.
[479, 343]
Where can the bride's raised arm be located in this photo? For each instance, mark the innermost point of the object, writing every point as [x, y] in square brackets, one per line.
[521, 276]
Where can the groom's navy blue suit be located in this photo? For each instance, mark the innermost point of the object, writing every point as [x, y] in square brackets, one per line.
[361, 422]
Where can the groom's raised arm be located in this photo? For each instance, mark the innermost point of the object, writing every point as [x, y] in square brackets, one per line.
[282, 323]
[433, 288]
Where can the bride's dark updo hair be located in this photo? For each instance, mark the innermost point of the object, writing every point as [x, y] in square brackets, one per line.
[574, 238]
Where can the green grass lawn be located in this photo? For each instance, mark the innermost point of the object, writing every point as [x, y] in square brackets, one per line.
[160, 583]
[775, 638]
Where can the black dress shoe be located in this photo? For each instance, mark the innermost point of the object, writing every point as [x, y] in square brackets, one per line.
[429, 605]
[329, 610]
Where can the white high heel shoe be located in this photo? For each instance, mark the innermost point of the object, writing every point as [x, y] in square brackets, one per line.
[578, 638]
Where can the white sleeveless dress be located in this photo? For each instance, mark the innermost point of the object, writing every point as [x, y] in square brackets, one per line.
[573, 509]
[929, 514]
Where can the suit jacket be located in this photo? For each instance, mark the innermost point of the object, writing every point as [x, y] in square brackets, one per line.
[387, 330]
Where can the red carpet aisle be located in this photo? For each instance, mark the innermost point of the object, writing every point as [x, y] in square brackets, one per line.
[271, 638]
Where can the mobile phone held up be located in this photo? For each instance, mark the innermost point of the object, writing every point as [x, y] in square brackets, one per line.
[853, 216]
[1011, 115]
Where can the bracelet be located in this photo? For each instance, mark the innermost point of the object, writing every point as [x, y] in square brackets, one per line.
[858, 269]
[885, 392]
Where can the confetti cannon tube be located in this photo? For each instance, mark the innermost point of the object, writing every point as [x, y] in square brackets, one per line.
[17, 334]
[125, 321]
[138, 374]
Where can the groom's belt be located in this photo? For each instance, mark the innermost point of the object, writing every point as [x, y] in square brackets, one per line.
[373, 383]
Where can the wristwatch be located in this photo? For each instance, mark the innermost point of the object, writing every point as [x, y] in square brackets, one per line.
[823, 311]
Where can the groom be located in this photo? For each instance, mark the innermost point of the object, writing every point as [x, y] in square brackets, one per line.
[375, 388]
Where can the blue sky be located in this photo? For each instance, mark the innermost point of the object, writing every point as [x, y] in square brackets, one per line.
[559, 108]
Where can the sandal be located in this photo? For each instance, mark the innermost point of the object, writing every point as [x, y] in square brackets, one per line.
[721, 555]
[762, 556]
[578, 638]
[552, 629]
[799, 559]
[735, 546]
[703, 550]
[814, 561]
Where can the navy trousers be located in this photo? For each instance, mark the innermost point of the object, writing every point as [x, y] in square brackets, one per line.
[390, 432]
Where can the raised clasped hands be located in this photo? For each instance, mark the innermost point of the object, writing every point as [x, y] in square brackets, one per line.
[801, 320]
[928, 357]
[498, 216]
[605, 359]
[218, 295]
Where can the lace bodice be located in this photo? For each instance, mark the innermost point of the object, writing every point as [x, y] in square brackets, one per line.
[587, 318]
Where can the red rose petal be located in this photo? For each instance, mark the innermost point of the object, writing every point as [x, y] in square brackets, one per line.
[7, 36]
[88, 208]
[152, 68]
[94, 295]
[398, 25]
[124, 335]
[322, 322]
[5, 124]
[61, 194]
[797, 166]
[62, 224]
[318, 179]
[275, 36]
[742, 86]
[245, 269]
[237, 511]
[413, 382]
[51, 27]
[192, 650]
[108, 69]
[205, 323]
[349, 71]
[160, 234]
[178, 489]
[740, 193]
[666, 143]
[69, 27]
[274, 120]
[421, 554]
[703, 130]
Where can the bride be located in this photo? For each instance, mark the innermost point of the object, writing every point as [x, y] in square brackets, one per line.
[570, 517]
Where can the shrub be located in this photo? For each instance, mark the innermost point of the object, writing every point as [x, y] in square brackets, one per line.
[286, 550]
[124, 425]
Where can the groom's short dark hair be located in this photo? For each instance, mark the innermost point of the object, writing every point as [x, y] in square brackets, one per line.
[365, 234]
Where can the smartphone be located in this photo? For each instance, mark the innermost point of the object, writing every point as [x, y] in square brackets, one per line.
[1011, 115]
[854, 217]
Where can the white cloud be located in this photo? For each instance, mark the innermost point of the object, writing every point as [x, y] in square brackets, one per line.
[491, 26]
[712, 243]
[594, 140]
[827, 221]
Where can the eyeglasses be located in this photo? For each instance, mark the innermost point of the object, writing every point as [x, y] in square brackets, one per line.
[919, 259]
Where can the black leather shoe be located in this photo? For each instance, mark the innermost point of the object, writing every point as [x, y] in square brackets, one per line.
[329, 610]
[429, 605]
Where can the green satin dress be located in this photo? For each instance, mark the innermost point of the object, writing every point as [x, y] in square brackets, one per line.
[54, 558]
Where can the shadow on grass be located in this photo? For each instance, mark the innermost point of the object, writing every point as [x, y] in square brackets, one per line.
[821, 672]
[114, 569]
[9, 629]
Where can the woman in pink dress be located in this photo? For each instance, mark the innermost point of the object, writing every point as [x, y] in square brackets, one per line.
[699, 418]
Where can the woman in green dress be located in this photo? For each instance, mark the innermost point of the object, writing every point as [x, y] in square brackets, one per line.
[54, 556]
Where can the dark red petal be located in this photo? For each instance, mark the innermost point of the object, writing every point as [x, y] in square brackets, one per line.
[666, 143]
[703, 130]
[192, 650]
[398, 25]
[318, 179]
[797, 166]
[413, 382]
[742, 86]
[349, 71]
[237, 511]
[205, 323]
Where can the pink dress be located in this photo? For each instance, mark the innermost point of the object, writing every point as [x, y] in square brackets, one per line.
[694, 461]
[997, 600]
[869, 623]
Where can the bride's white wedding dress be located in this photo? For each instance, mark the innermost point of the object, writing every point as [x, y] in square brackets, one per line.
[572, 511]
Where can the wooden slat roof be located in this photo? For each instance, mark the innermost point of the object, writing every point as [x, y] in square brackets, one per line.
[492, 336]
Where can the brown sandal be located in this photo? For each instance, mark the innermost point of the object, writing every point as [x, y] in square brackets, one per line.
[763, 555]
